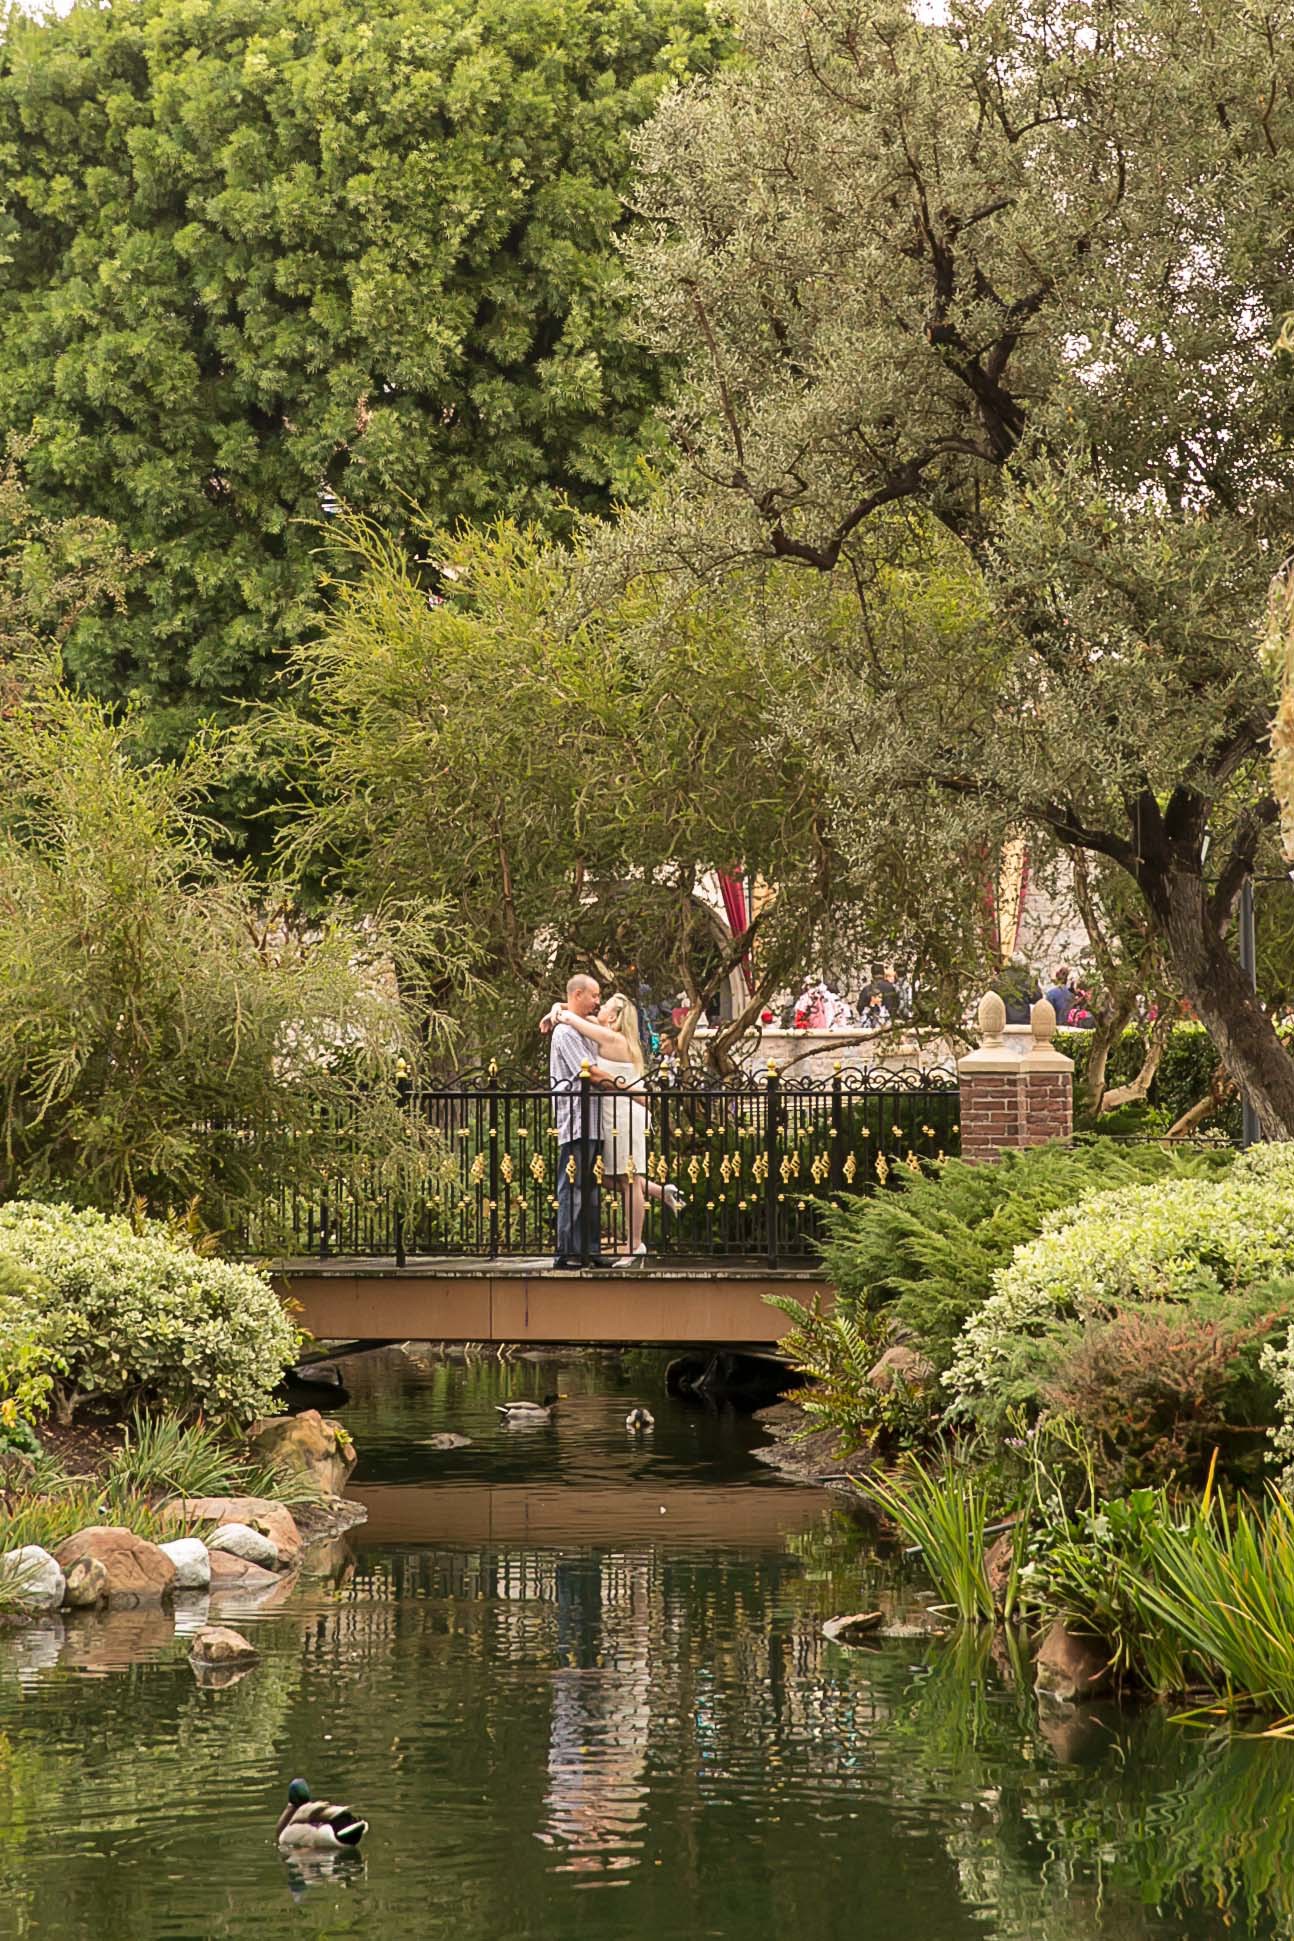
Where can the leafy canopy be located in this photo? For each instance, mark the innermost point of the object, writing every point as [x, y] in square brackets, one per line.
[978, 324]
[270, 249]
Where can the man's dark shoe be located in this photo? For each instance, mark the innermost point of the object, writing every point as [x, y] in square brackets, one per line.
[566, 1266]
[599, 1260]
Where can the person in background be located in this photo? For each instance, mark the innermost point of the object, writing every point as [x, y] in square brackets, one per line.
[1059, 995]
[1017, 987]
[882, 993]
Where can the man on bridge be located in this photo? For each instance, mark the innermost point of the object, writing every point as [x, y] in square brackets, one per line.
[578, 1112]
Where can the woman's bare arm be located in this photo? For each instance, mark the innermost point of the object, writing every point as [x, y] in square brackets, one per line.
[601, 1034]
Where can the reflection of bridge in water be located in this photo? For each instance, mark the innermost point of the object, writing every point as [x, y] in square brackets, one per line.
[557, 1516]
[666, 1303]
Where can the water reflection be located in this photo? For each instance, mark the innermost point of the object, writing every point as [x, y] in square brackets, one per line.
[529, 1723]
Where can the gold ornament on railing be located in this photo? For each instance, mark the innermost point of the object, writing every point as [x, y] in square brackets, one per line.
[598, 1169]
[571, 1169]
[850, 1169]
[476, 1172]
[505, 1168]
[537, 1170]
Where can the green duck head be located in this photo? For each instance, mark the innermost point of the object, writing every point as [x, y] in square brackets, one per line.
[298, 1793]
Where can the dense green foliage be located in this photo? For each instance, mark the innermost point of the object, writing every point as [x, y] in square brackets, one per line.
[564, 775]
[124, 1313]
[256, 253]
[156, 1008]
[975, 317]
[1207, 1246]
[926, 1251]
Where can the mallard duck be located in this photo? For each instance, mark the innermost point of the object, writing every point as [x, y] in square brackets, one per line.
[307, 1822]
[528, 1411]
[639, 1419]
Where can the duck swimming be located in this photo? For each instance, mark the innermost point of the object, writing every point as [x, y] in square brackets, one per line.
[639, 1419]
[307, 1822]
[514, 1412]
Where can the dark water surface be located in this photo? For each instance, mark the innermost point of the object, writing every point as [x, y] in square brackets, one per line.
[569, 1714]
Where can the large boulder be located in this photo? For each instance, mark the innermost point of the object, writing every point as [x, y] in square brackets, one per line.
[192, 1565]
[274, 1520]
[240, 1540]
[138, 1572]
[1070, 1665]
[31, 1578]
[314, 1446]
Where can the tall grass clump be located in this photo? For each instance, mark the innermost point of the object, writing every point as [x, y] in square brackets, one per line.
[945, 1511]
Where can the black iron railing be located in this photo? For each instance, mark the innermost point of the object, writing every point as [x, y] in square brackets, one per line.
[755, 1162]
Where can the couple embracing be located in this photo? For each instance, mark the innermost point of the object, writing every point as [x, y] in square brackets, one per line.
[586, 1033]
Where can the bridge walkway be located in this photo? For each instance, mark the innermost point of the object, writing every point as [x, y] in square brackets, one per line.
[671, 1302]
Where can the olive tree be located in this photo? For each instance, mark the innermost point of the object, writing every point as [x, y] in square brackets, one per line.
[979, 324]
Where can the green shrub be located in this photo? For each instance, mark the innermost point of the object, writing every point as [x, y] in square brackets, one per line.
[928, 1250]
[1190, 1596]
[27, 1368]
[1156, 1391]
[122, 1315]
[837, 1352]
[1194, 1242]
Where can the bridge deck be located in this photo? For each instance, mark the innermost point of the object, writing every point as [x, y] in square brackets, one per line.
[674, 1303]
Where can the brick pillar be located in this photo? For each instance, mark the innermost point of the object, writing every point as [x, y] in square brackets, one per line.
[1017, 1090]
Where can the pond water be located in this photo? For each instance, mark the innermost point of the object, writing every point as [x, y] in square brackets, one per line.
[578, 1685]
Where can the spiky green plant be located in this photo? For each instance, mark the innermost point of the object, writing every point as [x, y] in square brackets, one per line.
[945, 1509]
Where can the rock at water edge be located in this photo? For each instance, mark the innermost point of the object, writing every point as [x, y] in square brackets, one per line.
[1070, 1665]
[313, 1445]
[258, 1512]
[240, 1540]
[31, 1579]
[87, 1585]
[192, 1564]
[138, 1572]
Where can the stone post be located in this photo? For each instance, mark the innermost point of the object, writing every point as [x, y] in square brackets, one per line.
[1017, 1090]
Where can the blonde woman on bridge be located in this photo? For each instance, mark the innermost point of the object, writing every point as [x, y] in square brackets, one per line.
[625, 1117]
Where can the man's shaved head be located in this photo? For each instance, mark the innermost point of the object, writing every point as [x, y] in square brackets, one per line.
[581, 985]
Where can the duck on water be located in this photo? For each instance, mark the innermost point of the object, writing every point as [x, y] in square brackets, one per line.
[316, 1823]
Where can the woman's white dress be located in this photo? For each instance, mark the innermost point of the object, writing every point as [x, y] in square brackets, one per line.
[624, 1122]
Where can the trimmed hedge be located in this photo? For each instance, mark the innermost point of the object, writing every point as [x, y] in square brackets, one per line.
[1192, 1244]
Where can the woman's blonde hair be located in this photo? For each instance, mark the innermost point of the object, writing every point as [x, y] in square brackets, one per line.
[624, 1019]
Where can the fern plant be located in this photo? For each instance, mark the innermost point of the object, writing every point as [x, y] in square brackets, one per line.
[837, 1352]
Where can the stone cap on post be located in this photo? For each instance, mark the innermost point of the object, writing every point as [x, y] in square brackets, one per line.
[1042, 1055]
[1014, 1049]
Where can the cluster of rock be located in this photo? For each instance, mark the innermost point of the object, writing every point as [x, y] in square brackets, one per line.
[251, 1550]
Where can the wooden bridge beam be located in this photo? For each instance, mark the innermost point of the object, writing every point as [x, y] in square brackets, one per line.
[505, 1301]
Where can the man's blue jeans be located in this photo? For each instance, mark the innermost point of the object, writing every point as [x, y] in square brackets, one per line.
[578, 1224]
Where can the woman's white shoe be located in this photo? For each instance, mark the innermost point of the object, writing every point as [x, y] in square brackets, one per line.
[629, 1260]
[673, 1198]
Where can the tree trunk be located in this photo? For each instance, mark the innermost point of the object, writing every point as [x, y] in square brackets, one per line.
[1211, 978]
